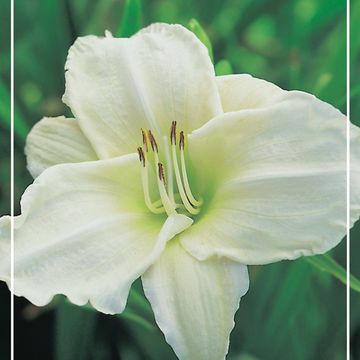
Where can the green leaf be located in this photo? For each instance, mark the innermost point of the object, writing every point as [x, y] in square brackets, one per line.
[198, 30]
[131, 19]
[138, 310]
[127, 314]
[151, 343]
[328, 264]
[74, 332]
[137, 301]
[223, 67]
[130, 315]
[284, 299]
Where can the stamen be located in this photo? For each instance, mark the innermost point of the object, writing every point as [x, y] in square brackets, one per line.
[173, 133]
[158, 203]
[145, 140]
[184, 172]
[155, 149]
[141, 156]
[169, 170]
[145, 183]
[167, 203]
[153, 143]
[183, 196]
[182, 141]
[169, 207]
[161, 172]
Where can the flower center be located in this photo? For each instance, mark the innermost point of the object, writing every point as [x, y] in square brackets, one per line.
[172, 199]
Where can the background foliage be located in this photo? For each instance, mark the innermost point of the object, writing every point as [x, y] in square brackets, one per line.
[292, 311]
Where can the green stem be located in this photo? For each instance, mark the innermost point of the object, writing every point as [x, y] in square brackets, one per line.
[328, 264]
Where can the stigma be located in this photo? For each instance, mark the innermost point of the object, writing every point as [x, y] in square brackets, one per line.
[168, 162]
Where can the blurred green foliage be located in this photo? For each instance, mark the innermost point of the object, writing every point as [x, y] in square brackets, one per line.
[292, 310]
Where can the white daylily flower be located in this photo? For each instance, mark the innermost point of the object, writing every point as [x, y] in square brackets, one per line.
[233, 171]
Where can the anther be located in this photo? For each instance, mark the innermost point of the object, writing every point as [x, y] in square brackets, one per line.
[145, 141]
[161, 172]
[141, 156]
[153, 142]
[173, 133]
[182, 141]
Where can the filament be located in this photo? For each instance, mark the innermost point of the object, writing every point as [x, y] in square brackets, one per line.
[168, 205]
[186, 182]
[145, 183]
[183, 196]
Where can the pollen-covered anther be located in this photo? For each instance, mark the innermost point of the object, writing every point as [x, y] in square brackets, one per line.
[161, 172]
[145, 140]
[173, 133]
[141, 156]
[182, 141]
[153, 142]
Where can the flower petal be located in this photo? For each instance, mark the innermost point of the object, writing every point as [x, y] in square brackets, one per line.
[194, 302]
[114, 87]
[243, 91]
[85, 233]
[278, 182]
[55, 141]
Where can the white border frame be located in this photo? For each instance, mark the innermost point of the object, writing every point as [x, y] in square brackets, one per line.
[12, 179]
[348, 180]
